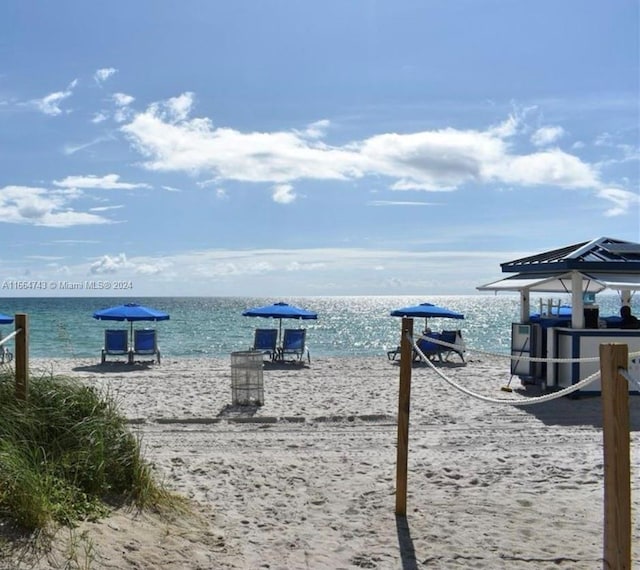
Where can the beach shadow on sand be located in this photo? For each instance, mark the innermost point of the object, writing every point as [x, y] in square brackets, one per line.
[405, 542]
[287, 366]
[236, 410]
[582, 410]
[111, 367]
[445, 364]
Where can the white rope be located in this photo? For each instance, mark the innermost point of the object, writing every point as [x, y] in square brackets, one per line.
[625, 374]
[10, 336]
[509, 401]
[522, 358]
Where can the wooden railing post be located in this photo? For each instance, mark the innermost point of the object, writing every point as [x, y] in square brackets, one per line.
[617, 467]
[22, 356]
[404, 405]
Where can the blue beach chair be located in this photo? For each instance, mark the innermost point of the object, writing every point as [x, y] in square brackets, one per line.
[145, 343]
[427, 347]
[116, 343]
[293, 343]
[265, 341]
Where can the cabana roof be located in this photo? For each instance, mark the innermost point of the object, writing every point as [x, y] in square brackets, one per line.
[602, 263]
[602, 254]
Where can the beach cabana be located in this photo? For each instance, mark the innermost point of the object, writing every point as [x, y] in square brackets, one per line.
[580, 270]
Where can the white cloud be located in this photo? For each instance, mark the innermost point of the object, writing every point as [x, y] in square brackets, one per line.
[622, 201]
[545, 136]
[105, 208]
[72, 149]
[50, 104]
[436, 160]
[151, 268]
[315, 130]
[109, 264]
[283, 194]
[399, 203]
[123, 112]
[99, 117]
[122, 99]
[42, 207]
[553, 168]
[90, 181]
[101, 75]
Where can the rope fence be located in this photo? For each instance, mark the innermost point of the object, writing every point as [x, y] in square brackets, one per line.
[615, 379]
[509, 401]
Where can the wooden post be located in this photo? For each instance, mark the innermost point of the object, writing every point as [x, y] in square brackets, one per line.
[404, 404]
[22, 356]
[615, 433]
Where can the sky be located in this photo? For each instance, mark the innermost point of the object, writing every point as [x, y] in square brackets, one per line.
[287, 148]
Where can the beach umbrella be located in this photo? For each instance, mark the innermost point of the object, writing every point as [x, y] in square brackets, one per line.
[280, 311]
[428, 311]
[131, 312]
[5, 319]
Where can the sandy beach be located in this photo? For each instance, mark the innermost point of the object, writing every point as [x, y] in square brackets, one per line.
[307, 480]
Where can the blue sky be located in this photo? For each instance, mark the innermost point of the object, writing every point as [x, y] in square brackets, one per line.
[283, 148]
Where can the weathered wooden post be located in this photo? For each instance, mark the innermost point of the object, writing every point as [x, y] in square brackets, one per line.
[22, 356]
[404, 404]
[617, 467]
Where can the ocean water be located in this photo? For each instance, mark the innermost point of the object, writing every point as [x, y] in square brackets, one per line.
[215, 327]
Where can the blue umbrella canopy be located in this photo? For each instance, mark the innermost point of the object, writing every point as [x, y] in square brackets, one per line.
[280, 311]
[130, 312]
[5, 319]
[428, 311]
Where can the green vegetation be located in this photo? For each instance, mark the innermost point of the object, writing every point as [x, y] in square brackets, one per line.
[66, 455]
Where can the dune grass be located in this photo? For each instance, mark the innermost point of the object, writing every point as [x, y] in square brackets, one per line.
[67, 454]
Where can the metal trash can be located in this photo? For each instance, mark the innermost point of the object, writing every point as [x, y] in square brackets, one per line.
[247, 387]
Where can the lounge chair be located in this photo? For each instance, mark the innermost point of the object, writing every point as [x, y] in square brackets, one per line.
[432, 349]
[145, 343]
[452, 337]
[293, 343]
[265, 341]
[116, 343]
[428, 347]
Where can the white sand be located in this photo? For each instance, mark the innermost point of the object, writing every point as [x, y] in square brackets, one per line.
[307, 481]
